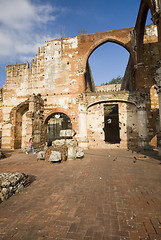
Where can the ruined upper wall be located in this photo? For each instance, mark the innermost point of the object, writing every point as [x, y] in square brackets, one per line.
[60, 66]
[139, 74]
[108, 87]
[150, 34]
[16, 84]
[55, 70]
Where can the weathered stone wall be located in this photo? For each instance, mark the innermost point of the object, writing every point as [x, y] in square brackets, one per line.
[1, 115]
[108, 87]
[54, 74]
[62, 75]
[127, 120]
[128, 82]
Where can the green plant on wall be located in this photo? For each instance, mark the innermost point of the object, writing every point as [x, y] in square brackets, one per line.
[117, 80]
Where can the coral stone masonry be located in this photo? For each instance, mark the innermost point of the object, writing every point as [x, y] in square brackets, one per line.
[58, 92]
[11, 183]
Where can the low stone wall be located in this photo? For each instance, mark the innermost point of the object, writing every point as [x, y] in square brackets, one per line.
[11, 183]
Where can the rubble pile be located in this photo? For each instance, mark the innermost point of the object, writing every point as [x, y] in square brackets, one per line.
[11, 183]
[62, 149]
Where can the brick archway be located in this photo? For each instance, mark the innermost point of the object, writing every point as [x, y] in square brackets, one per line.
[90, 42]
[60, 110]
[100, 43]
[54, 125]
[145, 6]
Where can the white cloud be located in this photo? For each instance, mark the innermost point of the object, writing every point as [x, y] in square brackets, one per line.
[20, 22]
[22, 14]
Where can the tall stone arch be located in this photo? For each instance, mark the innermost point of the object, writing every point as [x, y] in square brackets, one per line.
[90, 42]
[145, 6]
[148, 60]
[129, 69]
[125, 44]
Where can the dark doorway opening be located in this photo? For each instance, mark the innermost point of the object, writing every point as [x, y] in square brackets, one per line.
[111, 123]
[57, 122]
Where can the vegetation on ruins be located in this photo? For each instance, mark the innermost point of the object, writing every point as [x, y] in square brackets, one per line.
[117, 80]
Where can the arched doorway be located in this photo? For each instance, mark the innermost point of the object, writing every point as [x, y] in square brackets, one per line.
[54, 124]
[19, 125]
[111, 123]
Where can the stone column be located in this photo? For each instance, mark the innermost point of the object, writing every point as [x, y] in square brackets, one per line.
[37, 122]
[159, 130]
[71, 145]
[83, 141]
[32, 103]
[157, 79]
[34, 118]
[159, 99]
[29, 116]
[142, 126]
[13, 129]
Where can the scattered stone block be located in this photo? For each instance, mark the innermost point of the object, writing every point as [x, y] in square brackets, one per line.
[79, 153]
[55, 156]
[71, 145]
[41, 155]
[68, 133]
[58, 143]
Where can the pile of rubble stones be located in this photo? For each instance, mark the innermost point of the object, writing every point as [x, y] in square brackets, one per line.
[11, 183]
[61, 149]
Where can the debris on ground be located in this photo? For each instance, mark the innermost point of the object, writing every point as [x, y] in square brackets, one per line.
[11, 183]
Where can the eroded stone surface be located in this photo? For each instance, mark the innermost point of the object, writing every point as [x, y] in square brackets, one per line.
[60, 81]
[79, 153]
[55, 156]
[11, 183]
[41, 155]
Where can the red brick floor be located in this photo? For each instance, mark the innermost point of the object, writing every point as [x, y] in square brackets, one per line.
[95, 198]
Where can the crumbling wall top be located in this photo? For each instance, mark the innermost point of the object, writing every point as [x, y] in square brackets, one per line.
[17, 66]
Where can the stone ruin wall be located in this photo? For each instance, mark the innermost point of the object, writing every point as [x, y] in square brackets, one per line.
[147, 84]
[128, 130]
[54, 74]
[58, 73]
[127, 112]
[147, 57]
[108, 87]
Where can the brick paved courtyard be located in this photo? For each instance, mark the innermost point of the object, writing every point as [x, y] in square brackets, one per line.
[105, 195]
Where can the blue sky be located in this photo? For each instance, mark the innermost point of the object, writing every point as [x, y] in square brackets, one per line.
[27, 24]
